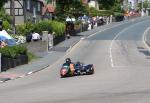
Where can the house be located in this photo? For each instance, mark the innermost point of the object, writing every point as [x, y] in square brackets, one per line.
[31, 10]
[91, 3]
[49, 9]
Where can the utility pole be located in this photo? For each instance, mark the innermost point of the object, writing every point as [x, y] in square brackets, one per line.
[13, 14]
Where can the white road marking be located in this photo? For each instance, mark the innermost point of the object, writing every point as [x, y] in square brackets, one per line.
[144, 38]
[105, 29]
[111, 45]
[111, 57]
[29, 73]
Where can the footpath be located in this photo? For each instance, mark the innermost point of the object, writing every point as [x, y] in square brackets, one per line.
[50, 57]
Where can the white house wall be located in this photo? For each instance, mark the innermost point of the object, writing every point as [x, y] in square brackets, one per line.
[18, 19]
[93, 4]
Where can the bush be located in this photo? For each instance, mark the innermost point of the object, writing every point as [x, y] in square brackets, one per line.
[24, 29]
[13, 51]
[6, 25]
[117, 14]
[48, 25]
[4, 16]
[102, 13]
[5, 51]
[20, 49]
[58, 28]
[43, 26]
[20, 29]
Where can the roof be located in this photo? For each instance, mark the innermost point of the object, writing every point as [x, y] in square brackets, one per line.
[48, 8]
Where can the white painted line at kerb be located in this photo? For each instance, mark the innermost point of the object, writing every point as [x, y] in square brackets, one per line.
[132, 20]
[111, 45]
[144, 38]
[29, 73]
[111, 57]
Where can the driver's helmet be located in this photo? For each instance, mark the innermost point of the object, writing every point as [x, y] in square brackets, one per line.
[68, 60]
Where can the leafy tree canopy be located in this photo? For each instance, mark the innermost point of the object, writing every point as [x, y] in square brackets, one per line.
[2, 2]
[106, 4]
[69, 8]
[115, 5]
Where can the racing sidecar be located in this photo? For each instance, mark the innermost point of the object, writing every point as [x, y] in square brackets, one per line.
[79, 69]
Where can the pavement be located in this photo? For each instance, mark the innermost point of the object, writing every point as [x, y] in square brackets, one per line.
[50, 57]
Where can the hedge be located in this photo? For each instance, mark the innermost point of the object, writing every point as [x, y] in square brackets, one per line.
[45, 25]
[102, 13]
[13, 51]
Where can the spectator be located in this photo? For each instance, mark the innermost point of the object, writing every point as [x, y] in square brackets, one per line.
[36, 36]
[3, 44]
[29, 37]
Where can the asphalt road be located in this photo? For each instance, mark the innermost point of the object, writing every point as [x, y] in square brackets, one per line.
[122, 73]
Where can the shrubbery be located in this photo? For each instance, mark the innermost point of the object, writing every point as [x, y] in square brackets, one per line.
[94, 12]
[45, 25]
[24, 29]
[6, 25]
[12, 56]
[118, 16]
[58, 28]
[42, 26]
[13, 51]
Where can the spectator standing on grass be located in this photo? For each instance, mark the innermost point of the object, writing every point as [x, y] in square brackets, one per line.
[36, 36]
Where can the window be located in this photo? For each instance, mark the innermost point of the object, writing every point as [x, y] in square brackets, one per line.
[28, 4]
[34, 12]
[39, 6]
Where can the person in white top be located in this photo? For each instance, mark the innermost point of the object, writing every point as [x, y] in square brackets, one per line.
[36, 36]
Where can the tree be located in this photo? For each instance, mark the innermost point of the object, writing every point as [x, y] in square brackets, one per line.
[106, 4]
[146, 4]
[69, 8]
[2, 3]
[114, 5]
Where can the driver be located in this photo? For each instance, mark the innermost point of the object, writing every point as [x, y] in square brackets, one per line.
[71, 65]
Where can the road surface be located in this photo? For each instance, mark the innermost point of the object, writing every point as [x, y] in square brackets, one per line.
[122, 71]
